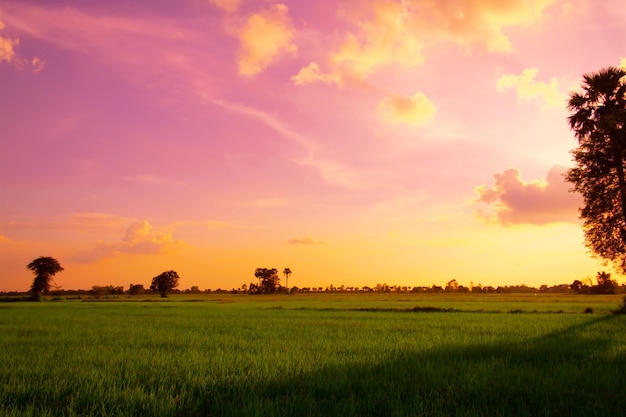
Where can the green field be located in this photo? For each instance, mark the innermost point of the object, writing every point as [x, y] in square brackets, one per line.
[315, 355]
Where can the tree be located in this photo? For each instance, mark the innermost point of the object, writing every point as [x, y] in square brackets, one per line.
[135, 289]
[44, 268]
[452, 286]
[605, 284]
[286, 273]
[269, 280]
[165, 282]
[598, 120]
[576, 285]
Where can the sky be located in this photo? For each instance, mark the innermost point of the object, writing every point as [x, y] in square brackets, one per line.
[356, 142]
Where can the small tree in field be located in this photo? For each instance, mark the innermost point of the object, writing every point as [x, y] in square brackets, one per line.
[165, 282]
[44, 268]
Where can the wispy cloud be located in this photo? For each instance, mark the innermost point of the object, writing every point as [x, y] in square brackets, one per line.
[332, 171]
[304, 241]
[88, 223]
[151, 179]
[4, 239]
[229, 6]
[510, 200]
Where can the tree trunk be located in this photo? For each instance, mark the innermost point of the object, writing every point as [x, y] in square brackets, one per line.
[621, 180]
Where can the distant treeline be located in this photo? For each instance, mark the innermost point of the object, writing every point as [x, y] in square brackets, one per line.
[604, 285]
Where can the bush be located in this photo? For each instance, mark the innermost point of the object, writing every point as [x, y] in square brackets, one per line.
[622, 308]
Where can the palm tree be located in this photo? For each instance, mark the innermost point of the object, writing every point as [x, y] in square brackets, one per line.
[598, 120]
[286, 273]
[44, 268]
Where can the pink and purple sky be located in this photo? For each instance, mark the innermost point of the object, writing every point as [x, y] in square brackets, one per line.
[356, 142]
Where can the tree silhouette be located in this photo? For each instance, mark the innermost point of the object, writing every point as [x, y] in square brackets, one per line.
[269, 280]
[164, 282]
[286, 273]
[44, 268]
[598, 120]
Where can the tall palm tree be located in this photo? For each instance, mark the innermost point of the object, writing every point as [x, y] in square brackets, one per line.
[598, 119]
[44, 268]
[286, 273]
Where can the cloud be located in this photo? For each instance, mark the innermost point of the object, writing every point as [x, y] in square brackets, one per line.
[139, 239]
[7, 47]
[333, 172]
[511, 201]
[478, 22]
[4, 239]
[229, 6]
[8, 54]
[411, 110]
[400, 32]
[264, 38]
[304, 241]
[312, 73]
[384, 39]
[528, 89]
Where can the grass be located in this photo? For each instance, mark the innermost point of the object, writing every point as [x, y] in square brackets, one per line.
[314, 355]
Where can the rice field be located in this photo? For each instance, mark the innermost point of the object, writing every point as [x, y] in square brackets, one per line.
[315, 355]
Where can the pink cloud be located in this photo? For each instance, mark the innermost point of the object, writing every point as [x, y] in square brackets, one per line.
[511, 201]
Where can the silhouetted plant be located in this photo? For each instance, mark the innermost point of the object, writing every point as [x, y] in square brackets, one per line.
[286, 273]
[622, 307]
[165, 282]
[598, 120]
[268, 280]
[44, 268]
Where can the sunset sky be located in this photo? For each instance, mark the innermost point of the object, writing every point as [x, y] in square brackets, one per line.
[354, 141]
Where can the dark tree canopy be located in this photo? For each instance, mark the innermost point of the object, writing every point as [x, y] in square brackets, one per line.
[164, 282]
[598, 118]
[268, 280]
[44, 268]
